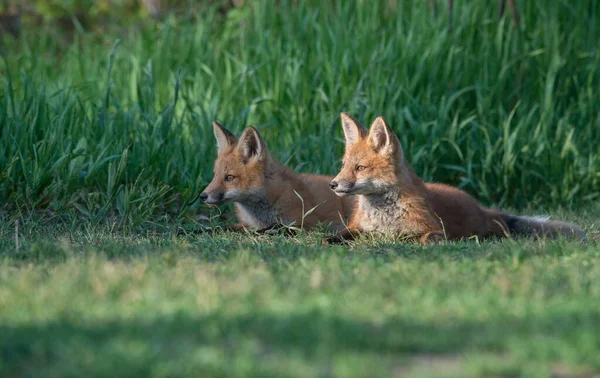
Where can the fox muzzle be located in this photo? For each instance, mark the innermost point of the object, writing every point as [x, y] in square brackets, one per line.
[212, 199]
[341, 188]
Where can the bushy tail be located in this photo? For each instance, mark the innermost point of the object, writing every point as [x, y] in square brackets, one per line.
[541, 226]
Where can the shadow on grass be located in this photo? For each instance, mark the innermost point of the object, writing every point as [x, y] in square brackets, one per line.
[138, 347]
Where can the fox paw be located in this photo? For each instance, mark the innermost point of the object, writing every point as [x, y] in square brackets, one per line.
[435, 237]
[334, 240]
[279, 229]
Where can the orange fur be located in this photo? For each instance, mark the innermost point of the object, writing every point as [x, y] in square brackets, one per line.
[263, 190]
[394, 200]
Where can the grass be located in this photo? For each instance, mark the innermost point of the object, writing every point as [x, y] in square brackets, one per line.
[106, 143]
[118, 123]
[91, 301]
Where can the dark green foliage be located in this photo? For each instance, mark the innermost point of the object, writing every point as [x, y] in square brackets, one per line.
[122, 127]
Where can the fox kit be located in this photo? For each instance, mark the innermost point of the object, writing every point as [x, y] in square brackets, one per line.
[263, 190]
[394, 200]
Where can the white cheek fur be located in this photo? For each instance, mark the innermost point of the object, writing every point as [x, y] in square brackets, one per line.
[232, 195]
[369, 186]
[239, 195]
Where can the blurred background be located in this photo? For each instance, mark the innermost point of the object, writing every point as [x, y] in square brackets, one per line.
[68, 15]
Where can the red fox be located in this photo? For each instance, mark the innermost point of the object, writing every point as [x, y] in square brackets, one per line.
[264, 191]
[392, 199]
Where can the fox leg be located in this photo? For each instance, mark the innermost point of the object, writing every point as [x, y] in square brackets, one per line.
[434, 237]
[278, 227]
[342, 237]
[231, 228]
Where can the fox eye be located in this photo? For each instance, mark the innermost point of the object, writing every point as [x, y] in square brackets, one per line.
[360, 168]
[229, 178]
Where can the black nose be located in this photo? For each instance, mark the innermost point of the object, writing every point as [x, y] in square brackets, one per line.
[203, 196]
[333, 185]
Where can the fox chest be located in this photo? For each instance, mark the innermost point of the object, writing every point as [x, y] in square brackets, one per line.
[386, 219]
[256, 215]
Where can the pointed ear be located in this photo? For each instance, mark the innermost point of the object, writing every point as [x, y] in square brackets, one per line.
[251, 144]
[224, 137]
[382, 138]
[353, 132]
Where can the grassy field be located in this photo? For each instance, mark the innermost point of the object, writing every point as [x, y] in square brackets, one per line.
[90, 301]
[106, 142]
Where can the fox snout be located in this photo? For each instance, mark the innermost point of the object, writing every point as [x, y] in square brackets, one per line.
[212, 199]
[341, 188]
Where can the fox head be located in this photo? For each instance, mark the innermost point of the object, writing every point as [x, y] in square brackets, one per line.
[239, 169]
[373, 159]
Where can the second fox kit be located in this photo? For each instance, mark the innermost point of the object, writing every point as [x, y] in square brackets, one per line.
[263, 190]
[394, 200]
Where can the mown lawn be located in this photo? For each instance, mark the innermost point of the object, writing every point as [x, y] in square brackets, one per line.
[91, 301]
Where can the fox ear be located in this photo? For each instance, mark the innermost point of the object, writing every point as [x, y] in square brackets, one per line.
[353, 132]
[382, 138]
[251, 144]
[224, 137]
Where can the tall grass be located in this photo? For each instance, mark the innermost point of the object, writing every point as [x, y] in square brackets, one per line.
[119, 123]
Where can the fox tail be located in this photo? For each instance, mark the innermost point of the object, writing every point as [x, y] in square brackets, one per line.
[541, 227]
